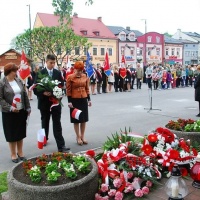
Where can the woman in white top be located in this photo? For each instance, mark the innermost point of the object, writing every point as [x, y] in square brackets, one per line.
[15, 109]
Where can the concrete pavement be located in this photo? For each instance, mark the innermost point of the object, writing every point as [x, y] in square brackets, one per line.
[109, 113]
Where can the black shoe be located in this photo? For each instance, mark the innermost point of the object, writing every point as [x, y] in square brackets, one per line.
[198, 115]
[15, 160]
[21, 157]
[64, 149]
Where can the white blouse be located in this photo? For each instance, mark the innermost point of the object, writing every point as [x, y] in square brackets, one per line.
[16, 90]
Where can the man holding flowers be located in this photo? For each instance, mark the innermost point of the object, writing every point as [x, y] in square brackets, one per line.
[48, 85]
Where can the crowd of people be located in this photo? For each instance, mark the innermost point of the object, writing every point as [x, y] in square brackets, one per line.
[124, 78]
[77, 86]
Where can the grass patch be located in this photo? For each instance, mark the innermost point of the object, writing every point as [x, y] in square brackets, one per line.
[3, 182]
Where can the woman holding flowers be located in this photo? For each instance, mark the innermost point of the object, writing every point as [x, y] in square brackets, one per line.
[79, 98]
[15, 109]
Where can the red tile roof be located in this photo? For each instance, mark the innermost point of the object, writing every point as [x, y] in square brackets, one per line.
[80, 24]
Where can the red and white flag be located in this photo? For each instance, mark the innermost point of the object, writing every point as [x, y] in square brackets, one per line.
[16, 100]
[24, 70]
[41, 138]
[123, 59]
[106, 63]
[76, 113]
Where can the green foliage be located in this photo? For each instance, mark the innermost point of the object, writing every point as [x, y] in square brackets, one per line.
[51, 167]
[35, 174]
[81, 164]
[63, 8]
[53, 176]
[179, 125]
[123, 137]
[195, 127]
[53, 40]
[3, 182]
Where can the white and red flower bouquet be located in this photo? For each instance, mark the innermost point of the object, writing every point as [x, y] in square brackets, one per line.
[46, 83]
[131, 164]
[168, 149]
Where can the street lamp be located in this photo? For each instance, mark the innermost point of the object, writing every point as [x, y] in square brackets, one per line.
[29, 10]
[145, 40]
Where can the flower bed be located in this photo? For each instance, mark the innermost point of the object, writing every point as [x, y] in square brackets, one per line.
[188, 129]
[132, 164]
[55, 176]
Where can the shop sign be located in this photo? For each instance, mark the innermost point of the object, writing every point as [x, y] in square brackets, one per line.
[99, 58]
[10, 56]
[129, 58]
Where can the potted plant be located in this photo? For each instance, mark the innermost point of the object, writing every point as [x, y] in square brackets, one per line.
[186, 128]
[55, 176]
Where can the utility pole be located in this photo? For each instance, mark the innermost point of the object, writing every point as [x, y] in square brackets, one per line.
[29, 10]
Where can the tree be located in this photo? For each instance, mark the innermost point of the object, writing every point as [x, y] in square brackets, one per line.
[53, 40]
[167, 34]
[63, 8]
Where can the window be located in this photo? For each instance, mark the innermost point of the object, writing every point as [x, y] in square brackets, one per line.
[149, 51]
[84, 32]
[110, 51]
[102, 51]
[141, 51]
[132, 37]
[122, 50]
[178, 52]
[194, 45]
[157, 39]
[187, 62]
[77, 51]
[157, 51]
[85, 50]
[132, 51]
[173, 52]
[149, 38]
[187, 53]
[94, 51]
[167, 52]
[186, 45]
[96, 33]
[122, 37]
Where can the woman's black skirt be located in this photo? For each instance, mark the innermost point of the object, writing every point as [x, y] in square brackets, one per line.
[14, 125]
[81, 104]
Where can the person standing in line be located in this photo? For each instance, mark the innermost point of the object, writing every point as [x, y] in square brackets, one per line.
[190, 75]
[44, 105]
[99, 78]
[79, 98]
[93, 80]
[111, 80]
[139, 76]
[116, 76]
[14, 117]
[155, 79]
[197, 89]
[149, 72]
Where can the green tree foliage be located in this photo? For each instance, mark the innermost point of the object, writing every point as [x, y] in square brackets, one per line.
[63, 8]
[53, 40]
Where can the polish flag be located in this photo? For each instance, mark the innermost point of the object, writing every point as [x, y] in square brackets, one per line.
[41, 138]
[123, 59]
[16, 100]
[24, 71]
[76, 113]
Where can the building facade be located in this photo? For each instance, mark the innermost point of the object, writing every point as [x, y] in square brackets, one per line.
[11, 56]
[173, 51]
[191, 43]
[127, 43]
[94, 30]
[150, 48]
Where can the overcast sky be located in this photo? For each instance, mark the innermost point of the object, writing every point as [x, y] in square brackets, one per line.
[161, 15]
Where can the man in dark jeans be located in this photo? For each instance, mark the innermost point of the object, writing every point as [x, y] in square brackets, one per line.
[44, 105]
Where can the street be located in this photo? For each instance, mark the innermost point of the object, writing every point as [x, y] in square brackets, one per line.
[109, 113]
